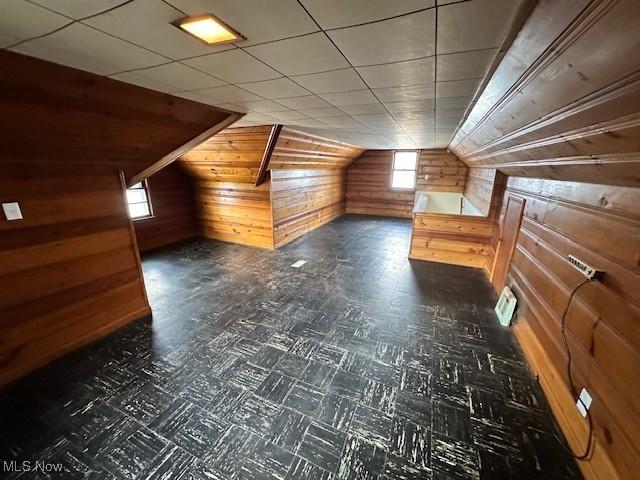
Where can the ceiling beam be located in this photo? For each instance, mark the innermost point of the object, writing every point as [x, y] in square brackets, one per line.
[266, 156]
[178, 152]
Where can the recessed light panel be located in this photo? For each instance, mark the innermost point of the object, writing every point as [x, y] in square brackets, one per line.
[208, 29]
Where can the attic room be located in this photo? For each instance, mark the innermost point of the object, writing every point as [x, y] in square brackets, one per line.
[320, 239]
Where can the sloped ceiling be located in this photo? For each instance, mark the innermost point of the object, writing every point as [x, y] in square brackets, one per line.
[373, 73]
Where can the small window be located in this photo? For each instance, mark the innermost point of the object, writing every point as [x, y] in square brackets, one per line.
[138, 200]
[404, 170]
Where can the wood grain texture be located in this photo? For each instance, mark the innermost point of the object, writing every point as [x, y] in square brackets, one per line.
[465, 240]
[69, 117]
[369, 189]
[565, 101]
[561, 115]
[174, 214]
[70, 270]
[303, 200]
[479, 186]
[229, 207]
[308, 183]
[299, 150]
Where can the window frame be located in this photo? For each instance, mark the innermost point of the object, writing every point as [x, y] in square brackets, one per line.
[414, 170]
[144, 187]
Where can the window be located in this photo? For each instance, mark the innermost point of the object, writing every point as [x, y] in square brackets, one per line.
[138, 200]
[404, 170]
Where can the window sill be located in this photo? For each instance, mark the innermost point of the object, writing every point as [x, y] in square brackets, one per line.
[142, 218]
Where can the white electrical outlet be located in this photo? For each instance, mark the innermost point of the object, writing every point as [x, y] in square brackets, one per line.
[299, 263]
[584, 268]
[12, 211]
[584, 402]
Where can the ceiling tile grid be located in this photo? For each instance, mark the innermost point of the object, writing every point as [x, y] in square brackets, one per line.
[373, 73]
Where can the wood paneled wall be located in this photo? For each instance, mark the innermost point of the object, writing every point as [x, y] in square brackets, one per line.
[369, 189]
[308, 183]
[479, 187]
[304, 200]
[229, 207]
[459, 239]
[69, 271]
[603, 324]
[174, 215]
[303, 151]
[440, 171]
[562, 109]
[565, 101]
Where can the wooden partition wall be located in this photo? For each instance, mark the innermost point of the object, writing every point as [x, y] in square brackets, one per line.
[560, 115]
[369, 189]
[69, 271]
[224, 170]
[308, 183]
[304, 185]
[174, 214]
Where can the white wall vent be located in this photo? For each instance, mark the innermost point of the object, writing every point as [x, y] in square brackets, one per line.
[506, 306]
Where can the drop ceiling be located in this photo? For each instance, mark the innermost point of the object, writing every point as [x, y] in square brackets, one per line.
[373, 73]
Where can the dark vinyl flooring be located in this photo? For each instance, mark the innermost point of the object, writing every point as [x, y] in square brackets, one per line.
[360, 364]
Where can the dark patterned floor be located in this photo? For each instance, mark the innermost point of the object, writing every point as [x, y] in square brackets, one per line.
[358, 365]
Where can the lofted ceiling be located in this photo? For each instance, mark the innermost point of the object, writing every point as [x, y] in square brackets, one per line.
[373, 73]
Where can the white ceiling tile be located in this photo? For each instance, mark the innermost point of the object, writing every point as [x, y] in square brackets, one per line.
[474, 25]
[79, 8]
[454, 102]
[457, 88]
[198, 97]
[415, 106]
[310, 123]
[85, 48]
[233, 66]
[261, 106]
[358, 97]
[309, 101]
[173, 77]
[258, 20]
[344, 121]
[323, 112]
[262, 118]
[289, 115]
[274, 89]
[460, 66]
[363, 109]
[410, 72]
[297, 56]
[229, 94]
[338, 13]
[402, 94]
[403, 38]
[331, 82]
[20, 20]
[148, 23]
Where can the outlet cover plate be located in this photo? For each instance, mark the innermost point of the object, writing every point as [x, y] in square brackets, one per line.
[12, 211]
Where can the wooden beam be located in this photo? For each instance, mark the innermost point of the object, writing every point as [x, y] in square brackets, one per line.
[178, 152]
[266, 156]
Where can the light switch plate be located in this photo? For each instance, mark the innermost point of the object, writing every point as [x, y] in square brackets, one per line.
[12, 211]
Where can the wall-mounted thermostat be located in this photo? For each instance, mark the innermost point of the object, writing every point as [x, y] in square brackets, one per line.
[12, 211]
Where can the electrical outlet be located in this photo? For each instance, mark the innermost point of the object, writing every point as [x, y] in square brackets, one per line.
[584, 402]
[584, 268]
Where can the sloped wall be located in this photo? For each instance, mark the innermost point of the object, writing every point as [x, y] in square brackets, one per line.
[561, 116]
[70, 270]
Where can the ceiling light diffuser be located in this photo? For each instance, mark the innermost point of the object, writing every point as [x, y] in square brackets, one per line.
[208, 29]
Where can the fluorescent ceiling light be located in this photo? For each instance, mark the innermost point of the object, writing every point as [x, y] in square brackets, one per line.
[208, 29]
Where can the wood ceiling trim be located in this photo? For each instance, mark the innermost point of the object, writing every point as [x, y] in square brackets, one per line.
[268, 151]
[191, 144]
